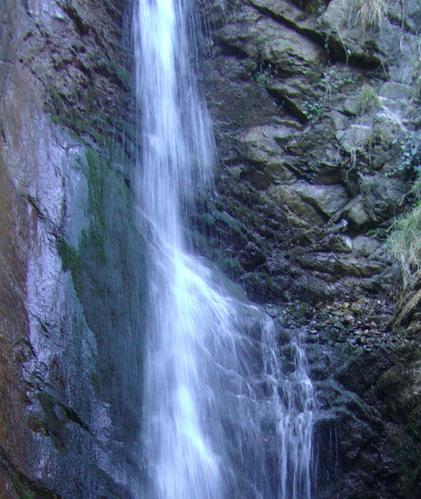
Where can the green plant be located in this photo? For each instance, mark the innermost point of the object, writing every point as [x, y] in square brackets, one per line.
[314, 7]
[261, 79]
[405, 243]
[262, 76]
[263, 73]
[410, 160]
[373, 232]
[370, 14]
[313, 110]
[368, 100]
[70, 256]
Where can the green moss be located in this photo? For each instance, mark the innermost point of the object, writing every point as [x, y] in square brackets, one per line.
[263, 72]
[244, 213]
[262, 282]
[23, 491]
[122, 74]
[261, 79]
[208, 218]
[95, 176]
[230, 221]
[101, 181]
[82, 112]
[216, 212]
[70, 256]
[96, 169]
[226, 263]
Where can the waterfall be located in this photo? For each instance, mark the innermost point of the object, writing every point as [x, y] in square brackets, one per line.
[223, 417]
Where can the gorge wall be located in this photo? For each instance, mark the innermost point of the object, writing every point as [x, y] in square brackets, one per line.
[317, 129]
[72, 262]
[317, 124]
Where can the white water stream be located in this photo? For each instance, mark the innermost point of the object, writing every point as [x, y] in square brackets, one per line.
[222, 417]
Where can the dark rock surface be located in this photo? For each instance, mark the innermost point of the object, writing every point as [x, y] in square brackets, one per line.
[314, 117]
[367, 382]
[71, 274]
[310, 140]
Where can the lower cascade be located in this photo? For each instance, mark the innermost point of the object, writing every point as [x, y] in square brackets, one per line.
[223, 415]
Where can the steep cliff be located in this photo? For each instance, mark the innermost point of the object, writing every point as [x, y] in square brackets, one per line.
[71, 275]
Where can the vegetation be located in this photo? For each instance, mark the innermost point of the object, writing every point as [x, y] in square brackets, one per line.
[70, 256]
[368, 100]
[405, 240]
[313, 110]
[410, 161]
[263, 73]
[406, 244]
[370, 14]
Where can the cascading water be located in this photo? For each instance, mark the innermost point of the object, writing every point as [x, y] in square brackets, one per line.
[222, 418]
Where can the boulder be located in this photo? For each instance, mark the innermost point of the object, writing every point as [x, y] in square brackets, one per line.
[327, 199]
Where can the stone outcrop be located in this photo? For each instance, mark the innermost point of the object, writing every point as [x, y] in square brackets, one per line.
[312, 116]
[318, 139]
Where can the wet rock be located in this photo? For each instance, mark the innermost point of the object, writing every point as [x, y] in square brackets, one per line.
[336, 243]
[340, 265]
[310, 202]
[327, 199]
[262, 147]
[411, 310]
[356, 213]
[312, 289]
[382, 196]
[355, 138]
[325, 166]
[60, 90]
[288, 196]
[365, 246]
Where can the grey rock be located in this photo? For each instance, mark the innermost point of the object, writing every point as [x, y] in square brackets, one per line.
[328, 199]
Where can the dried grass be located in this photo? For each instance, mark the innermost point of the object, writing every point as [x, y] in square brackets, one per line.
[371, 13]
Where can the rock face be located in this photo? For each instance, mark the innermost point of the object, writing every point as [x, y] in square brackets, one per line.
[316, 126]
[311, 117]
[315, 113]
[71, 274]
